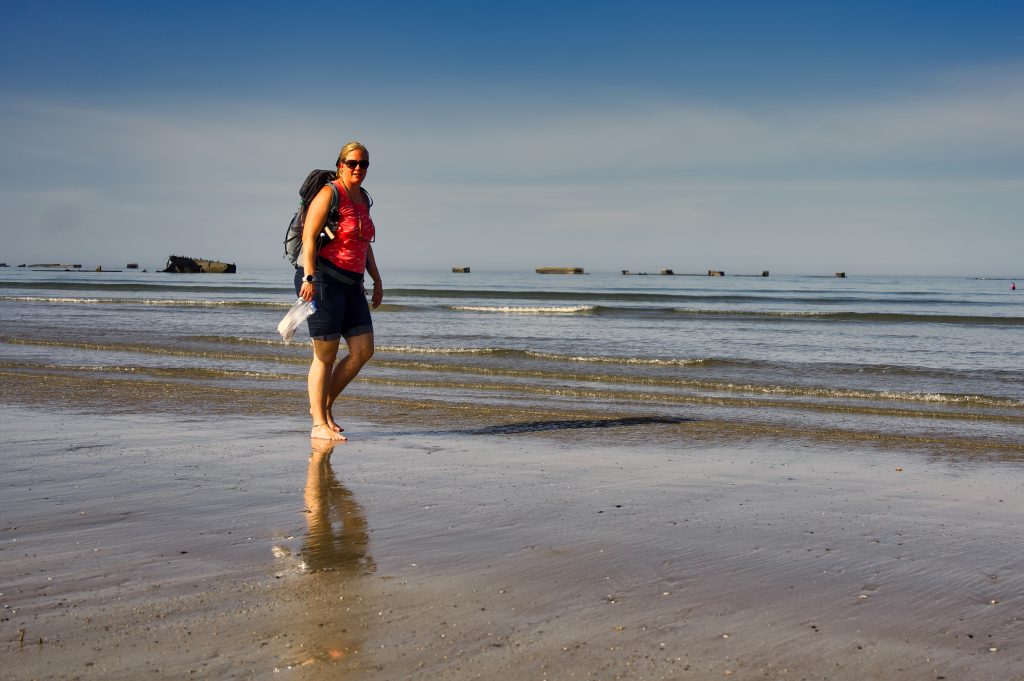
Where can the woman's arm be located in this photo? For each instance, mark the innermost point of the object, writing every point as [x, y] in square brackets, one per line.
[315, 216]
[378, 286]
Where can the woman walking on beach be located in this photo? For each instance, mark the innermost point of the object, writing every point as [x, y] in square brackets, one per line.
[333, 277]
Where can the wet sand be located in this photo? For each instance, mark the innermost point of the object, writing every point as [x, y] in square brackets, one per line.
[189, 547]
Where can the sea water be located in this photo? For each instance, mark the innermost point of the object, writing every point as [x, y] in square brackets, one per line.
[912, 359]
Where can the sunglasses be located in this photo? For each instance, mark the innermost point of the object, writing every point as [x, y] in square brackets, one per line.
[352, 164]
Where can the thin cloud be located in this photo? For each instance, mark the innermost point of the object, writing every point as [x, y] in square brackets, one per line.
[490, 183]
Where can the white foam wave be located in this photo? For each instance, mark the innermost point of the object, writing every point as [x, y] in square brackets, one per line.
[51, 299]
[952, 399]
[414, 350]
[644, 361]
[525, 309]
[752, 313]
[552, 356]
[850, 394]
[172, 302]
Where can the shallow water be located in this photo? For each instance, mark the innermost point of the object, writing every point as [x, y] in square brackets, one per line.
[926, 361]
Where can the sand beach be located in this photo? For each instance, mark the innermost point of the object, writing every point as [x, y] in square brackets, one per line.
[179, 546]
[596, 477]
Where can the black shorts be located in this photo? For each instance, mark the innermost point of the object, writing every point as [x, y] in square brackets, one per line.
[341, 307]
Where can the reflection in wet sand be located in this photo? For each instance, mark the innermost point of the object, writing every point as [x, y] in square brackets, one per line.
[337, 535]
[329, 626]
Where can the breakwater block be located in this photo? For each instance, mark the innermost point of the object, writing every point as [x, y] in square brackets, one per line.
[560, 270]
[183, 264]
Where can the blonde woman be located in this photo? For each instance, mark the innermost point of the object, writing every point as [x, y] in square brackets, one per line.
[333, 277]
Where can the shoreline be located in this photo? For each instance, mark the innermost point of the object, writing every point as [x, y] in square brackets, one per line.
[167, 545]
[429, 413]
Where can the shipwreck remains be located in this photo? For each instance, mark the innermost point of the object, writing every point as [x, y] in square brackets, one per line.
[182, 264]
[560, 270]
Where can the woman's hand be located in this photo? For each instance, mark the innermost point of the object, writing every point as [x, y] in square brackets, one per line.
[306, 291]
[378, 295]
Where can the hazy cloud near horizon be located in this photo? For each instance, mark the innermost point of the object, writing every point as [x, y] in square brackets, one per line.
[921, 178]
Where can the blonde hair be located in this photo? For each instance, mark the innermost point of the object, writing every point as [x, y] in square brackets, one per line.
[348, 149]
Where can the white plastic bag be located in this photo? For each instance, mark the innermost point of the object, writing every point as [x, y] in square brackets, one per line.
[296, 315]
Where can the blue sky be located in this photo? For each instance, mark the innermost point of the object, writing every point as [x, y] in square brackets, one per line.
[797, 137]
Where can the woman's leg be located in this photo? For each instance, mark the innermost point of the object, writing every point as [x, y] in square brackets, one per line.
[319, 384]
[360, 350]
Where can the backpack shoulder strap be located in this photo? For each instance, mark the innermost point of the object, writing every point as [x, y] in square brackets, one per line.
[332, 210]
[334, 197]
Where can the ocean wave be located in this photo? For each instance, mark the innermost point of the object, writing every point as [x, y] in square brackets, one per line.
[828, 297]
[182, 373]
[195, 372]
[889, 317]
[749, 399]
[68, 300]
[153, 349]
[603, 359]
[871, 395]
[482, 351]
[418, 350]
[538, 369]
[533, 354]
[243, 340]
[823, 316]
[525, 309]
[93, 285]
[711, 387]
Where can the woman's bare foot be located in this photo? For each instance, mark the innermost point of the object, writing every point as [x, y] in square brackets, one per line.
[330, 423]
[322, 431]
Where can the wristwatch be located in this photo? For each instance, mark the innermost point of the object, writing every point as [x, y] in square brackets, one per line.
[309, 279]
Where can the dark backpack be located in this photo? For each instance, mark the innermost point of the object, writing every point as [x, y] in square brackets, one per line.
[311, 186]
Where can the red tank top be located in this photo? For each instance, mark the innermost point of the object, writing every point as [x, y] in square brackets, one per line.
[355, 232]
